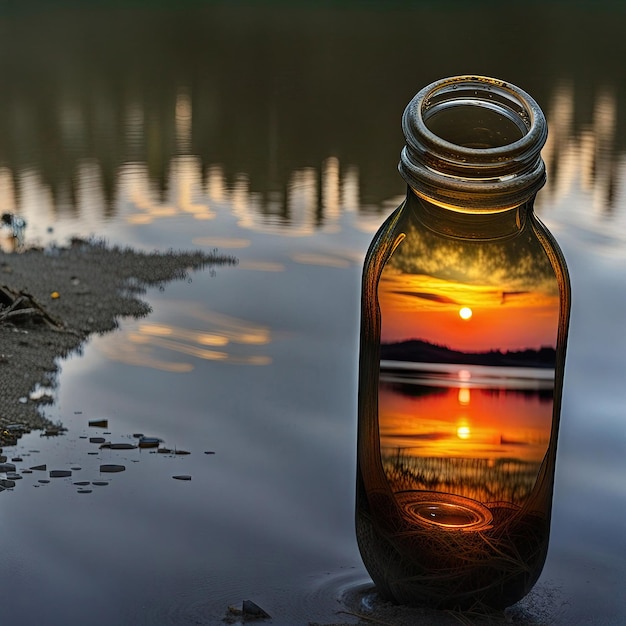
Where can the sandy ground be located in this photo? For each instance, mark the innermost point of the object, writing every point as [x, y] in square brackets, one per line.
[81, 289]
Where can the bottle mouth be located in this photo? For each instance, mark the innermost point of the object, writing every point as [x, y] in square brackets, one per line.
[473, 143]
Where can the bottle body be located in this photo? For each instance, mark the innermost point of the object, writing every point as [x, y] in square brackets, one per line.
[463, 330]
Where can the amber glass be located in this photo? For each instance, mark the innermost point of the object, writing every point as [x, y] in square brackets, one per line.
[465, 308]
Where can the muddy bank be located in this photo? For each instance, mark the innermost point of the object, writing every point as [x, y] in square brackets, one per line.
[52, 300]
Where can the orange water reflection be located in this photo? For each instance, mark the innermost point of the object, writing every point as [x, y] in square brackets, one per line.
[488, 423]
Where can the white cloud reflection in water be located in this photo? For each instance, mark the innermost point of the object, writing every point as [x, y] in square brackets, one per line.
[161, 345]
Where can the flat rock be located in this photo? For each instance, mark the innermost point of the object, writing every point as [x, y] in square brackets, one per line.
[60, 473]
[97, 439]
[7, 467]
[182, 477]
[110, 468]
[149, 442]
[41, 468]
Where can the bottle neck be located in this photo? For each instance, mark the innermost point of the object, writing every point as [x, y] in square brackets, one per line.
[454, 224]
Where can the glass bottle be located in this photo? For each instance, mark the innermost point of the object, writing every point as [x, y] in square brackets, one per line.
[465, 309]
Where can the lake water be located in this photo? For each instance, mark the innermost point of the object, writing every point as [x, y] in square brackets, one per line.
[272, 132]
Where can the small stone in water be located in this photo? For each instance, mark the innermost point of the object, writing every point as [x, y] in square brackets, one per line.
[60, 473]
[182, 477]
[253, 609]
[43, 481]
[16, 459]
[42, 468]
[83, 490]
[97, 439]
[100, 483]
[81, 483]
[112, 468]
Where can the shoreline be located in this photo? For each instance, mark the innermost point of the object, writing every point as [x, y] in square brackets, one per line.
[66, 295]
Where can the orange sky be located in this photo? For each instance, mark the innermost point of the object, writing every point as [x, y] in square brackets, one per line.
[421, 307]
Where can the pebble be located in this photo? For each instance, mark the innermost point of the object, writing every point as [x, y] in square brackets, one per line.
[42, 468]
[253, 609]
[97, 439]
[60, 473]
[182, 477]
[7, 467]
[112, 468]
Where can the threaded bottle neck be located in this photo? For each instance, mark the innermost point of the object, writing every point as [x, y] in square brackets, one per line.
[473, 144]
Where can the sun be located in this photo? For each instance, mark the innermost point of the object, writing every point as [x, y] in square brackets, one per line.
[463, 432]
[465, 313]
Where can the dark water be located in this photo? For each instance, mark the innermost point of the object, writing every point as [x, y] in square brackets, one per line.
[272, 132]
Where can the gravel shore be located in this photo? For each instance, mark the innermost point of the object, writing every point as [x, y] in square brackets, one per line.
[65, 295]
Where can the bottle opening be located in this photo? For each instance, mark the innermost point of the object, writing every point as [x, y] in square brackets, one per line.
[475, 124]
[473, 144]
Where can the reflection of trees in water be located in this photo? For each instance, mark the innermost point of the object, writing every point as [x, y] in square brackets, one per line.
[414, 391]
[543, 395]
[485, 480]
[276, 89]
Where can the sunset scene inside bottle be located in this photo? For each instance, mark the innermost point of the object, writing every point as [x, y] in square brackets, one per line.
[468, 346]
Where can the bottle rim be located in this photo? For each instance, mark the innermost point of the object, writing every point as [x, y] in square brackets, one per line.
[466, 177]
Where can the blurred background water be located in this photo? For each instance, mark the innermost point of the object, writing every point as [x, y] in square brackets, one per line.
[271, 131]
